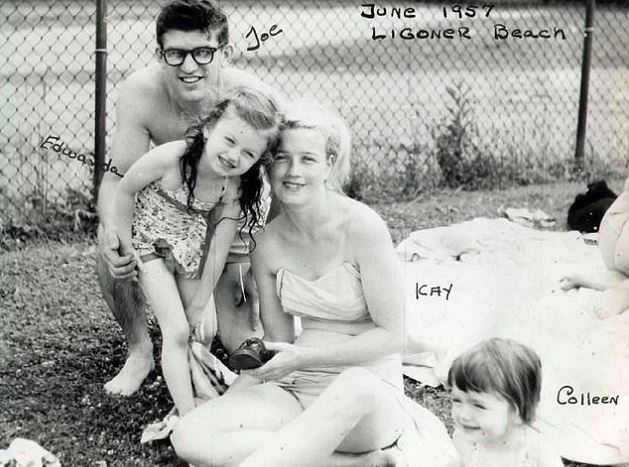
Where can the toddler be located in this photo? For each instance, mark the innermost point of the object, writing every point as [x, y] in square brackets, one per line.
[495, 388]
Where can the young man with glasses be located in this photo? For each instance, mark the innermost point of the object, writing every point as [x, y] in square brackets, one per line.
[156, 105]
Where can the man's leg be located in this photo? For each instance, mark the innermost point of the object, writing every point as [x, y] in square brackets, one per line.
[126, 302]
[234, 318]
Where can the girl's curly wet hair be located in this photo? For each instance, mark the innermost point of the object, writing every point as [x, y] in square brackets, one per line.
[257, 110]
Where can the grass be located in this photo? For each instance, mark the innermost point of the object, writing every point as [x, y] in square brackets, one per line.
[59, 344]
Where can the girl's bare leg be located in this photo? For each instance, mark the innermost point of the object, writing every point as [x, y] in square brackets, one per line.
[161, 291]
[356, 413]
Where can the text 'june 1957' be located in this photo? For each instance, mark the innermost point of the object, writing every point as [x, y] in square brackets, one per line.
[455, 28]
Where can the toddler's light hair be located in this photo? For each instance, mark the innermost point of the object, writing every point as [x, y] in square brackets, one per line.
[504, 367]
[307, 113]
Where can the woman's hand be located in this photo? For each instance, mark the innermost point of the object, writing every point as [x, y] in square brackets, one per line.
[287, 359]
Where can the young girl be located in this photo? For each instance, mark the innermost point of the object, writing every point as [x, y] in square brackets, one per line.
[495, 390]
[613, 242]
[190, 195]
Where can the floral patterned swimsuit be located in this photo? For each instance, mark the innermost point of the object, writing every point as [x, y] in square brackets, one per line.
[163, 228]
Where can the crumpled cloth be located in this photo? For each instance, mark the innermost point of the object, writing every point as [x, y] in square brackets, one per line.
[210, 379]
[523, 216]
[26, 453]
[494, 278]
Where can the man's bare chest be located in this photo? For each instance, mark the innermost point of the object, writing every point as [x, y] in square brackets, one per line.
[167, 127]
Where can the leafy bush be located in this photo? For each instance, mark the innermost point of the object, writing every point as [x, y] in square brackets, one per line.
[452, 154]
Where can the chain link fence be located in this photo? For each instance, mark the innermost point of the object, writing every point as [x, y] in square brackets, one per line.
[435, 93]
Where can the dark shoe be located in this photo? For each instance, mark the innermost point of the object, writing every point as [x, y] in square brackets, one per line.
[251, 354]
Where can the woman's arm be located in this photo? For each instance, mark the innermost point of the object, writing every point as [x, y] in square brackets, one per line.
[382, 282]
[278, 326]
[150, 167]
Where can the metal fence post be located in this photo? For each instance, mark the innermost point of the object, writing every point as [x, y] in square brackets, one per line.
[585, 82]
[100, 94]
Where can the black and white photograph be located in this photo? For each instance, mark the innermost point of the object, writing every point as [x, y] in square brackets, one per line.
[314, 233]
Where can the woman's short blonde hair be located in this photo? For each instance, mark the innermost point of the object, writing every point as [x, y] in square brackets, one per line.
[309, 114]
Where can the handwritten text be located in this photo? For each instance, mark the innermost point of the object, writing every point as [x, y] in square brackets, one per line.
[565, 397]
[424, 290]
[62, 148]
[263, 37]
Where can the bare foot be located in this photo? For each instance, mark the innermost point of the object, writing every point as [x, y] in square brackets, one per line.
[130, 378]
[615, 301]
[391, 457]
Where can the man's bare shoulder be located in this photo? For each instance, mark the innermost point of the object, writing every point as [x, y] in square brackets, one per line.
[144, 86]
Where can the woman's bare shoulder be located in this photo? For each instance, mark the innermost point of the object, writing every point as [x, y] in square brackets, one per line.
[360, 220]
[268, 241]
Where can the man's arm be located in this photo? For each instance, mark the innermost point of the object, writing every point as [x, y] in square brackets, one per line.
[131, 141]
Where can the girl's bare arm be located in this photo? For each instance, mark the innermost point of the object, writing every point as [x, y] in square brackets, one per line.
[150, 167]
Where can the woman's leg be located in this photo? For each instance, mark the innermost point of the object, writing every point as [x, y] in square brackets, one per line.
[161, 291]
[224, 431]
[356, 413]
[235, 319]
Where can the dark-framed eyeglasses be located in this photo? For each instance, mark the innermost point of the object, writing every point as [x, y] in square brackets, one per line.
[201, 55]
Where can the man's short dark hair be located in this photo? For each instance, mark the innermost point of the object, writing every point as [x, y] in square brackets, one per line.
[192, 15]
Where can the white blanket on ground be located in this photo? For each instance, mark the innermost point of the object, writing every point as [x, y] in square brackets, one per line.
[485, 278]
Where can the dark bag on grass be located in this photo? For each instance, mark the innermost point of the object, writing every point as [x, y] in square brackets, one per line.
[588, 208]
